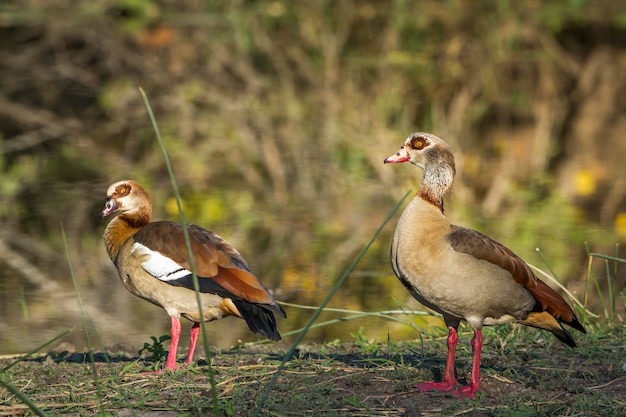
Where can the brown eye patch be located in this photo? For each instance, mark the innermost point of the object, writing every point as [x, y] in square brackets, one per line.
[419, 142]
[123, 189]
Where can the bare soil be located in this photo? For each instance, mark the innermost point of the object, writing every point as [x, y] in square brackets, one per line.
[522, 375]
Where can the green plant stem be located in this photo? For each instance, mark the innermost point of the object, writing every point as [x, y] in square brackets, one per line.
[582, 305]
[37, 349]
[183, 223]
[386, 314]
[320, 309]
[83, 318]
[373, 313]
[610, 258]
[546, 263]
[23, 397]
[83, 315]
[348, 318]
[610, 279]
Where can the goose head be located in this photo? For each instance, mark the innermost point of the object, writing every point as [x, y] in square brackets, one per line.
[127, 198]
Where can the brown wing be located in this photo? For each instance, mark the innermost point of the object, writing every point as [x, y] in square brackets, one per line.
[217, 263]
[483, 247]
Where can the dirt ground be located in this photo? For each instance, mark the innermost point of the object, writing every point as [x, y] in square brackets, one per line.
[520, 377]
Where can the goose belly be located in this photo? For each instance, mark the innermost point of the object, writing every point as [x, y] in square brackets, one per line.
[461, 286]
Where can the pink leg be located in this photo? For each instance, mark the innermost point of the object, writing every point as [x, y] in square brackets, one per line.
[170, 363]
[193, 335]
[470, 390]
[449, 380]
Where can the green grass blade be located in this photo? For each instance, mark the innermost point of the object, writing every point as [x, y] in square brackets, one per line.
[23, 397]
[37, 349]
[610, 258]
[356, 314]
[596, 282]
[349, 318]
[612, 281]
[85, 324]
[320, 309]
[83, 315]
[546, 263]
[183, 223]
[344, 310]
[571, 296]
[609, 281]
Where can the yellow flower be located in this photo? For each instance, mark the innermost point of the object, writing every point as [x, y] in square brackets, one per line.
[584, 182]
[620, 224]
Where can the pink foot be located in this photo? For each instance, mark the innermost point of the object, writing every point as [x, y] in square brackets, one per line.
[436, 386]
[449, 380]
[465, 392]
[170, 362]
[160, 371]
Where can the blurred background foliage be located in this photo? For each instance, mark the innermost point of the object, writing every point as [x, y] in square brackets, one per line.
[277, 116]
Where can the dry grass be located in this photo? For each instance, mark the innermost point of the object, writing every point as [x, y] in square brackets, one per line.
[523, 374]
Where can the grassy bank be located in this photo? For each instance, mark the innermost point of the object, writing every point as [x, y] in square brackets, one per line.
[526, 372]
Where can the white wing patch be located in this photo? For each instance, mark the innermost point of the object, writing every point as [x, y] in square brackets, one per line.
[157, 265]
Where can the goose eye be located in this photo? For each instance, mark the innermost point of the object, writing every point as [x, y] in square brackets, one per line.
[418, 143]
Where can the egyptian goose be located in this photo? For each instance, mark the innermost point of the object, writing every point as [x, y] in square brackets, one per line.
[152, 262]
[463, 274]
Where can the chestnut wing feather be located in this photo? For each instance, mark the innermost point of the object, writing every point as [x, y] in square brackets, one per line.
[483, 247]
[219, 266]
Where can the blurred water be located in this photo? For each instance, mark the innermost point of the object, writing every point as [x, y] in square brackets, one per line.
[30, 318]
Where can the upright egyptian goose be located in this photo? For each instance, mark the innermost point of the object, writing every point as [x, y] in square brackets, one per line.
[461, 273]
[153, 263]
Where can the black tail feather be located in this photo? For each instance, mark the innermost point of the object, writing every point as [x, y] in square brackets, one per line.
[575, 324]
[260, 318]
[564, 336]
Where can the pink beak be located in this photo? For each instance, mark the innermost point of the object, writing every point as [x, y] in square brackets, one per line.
[401, 156]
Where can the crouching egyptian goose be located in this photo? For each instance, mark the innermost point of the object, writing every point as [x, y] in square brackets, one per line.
[153, 263]
[461, 273]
